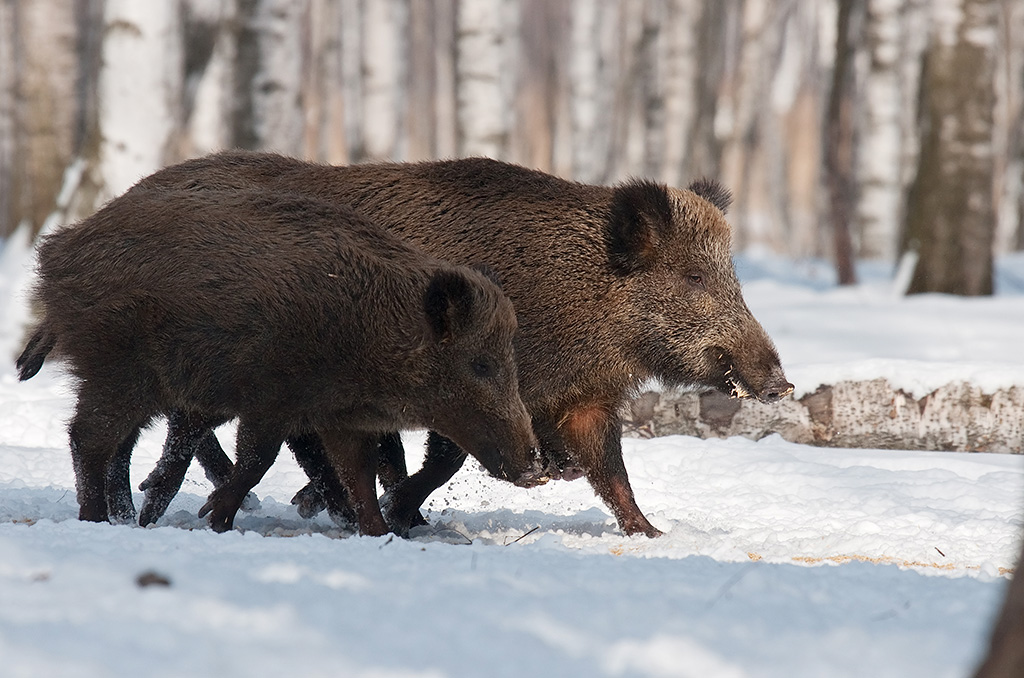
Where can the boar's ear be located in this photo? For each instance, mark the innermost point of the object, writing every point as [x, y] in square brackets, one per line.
[714, 192]
[641, 214]
[448, 303]
[487, 272]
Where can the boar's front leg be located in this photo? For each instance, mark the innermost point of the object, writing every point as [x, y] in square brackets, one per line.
[593, 435]
[256, 449]
[188, 435]
[354, 457]
[324, 489]
[402, 502]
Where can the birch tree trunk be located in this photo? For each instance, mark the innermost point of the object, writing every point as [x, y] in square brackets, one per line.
[268, 76]
[951, 218]
[839, 146]
[678, 53]
[40, 110]
[140, 89]
[590, 72]
[383, 61]
[879, 210]
[483, 128]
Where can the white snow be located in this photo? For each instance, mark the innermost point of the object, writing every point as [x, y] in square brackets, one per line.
[778, 559]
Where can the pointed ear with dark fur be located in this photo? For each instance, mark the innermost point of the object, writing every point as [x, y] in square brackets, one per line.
[487, 272]
[641, 214]
[712, 191]
[448, 303]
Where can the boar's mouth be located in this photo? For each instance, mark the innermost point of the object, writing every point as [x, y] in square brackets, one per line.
[730, 380]
[727, 377]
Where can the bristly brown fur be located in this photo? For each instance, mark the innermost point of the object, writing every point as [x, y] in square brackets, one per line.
[611, 285]
[713, 192]
[290, 313]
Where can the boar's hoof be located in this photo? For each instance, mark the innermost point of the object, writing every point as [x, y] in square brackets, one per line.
[309, 501]
[400, 516]
[220, 520]
[633, 528]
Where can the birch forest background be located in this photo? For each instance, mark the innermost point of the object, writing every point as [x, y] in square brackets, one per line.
[845, 128]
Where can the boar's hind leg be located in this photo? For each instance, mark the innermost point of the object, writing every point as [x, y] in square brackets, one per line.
[101, 446]
[324, 489]
[354, 457]
[594, 437]
[188, 435]
[256, 449]
[402, 502]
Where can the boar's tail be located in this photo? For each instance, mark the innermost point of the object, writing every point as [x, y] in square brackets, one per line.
[31, 359]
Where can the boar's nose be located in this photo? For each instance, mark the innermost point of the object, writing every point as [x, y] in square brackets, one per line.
[776, 388]
[537, 474]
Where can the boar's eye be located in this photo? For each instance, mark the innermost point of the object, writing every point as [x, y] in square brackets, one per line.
[695, 280]
[482, 368]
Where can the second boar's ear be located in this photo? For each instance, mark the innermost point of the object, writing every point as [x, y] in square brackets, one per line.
[641, 215]
[448, 303]
[714, 192]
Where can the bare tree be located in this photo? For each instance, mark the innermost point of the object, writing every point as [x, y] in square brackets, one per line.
[839, 145]
[950, 213]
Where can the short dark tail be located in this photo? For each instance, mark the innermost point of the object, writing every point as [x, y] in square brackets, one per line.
[31, 359]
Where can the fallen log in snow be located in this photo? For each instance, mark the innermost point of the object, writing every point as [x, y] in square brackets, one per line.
[865, 414]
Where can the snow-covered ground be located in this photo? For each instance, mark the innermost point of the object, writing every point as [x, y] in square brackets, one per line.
[778, 559]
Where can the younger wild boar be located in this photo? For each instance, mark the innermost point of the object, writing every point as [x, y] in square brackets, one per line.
[296, 316]
[611, 285]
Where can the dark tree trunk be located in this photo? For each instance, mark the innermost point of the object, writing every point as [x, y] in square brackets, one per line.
[839, 146]
[951, 211]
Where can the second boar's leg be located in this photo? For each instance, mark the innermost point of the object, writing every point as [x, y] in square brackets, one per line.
[324, 489]
[313, 498]
[258, 443]
[188, 435]
[403, 501]
[354, 457]
[593, 435]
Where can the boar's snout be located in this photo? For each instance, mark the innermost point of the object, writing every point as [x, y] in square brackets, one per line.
[775, 388]
[752, 374]
[538, 474]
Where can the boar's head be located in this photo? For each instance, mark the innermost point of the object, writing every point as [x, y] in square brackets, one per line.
[474, 385]
[687, 321]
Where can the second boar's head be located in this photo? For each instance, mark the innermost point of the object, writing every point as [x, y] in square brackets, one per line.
[475, 399]
[689, 324]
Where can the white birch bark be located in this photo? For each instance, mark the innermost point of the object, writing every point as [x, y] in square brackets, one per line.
[1009, 126]
[678, 54]
[276, 87]
[383, 67]
[879, 162]
[590, 80]
[324, 103]
[208, 127]
[140, 87]
[482, 122]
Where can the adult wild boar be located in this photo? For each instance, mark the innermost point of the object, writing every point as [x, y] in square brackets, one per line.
[612, 286]
[296, 316]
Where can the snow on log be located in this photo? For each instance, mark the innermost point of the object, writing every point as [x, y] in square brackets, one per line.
[859, 414]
